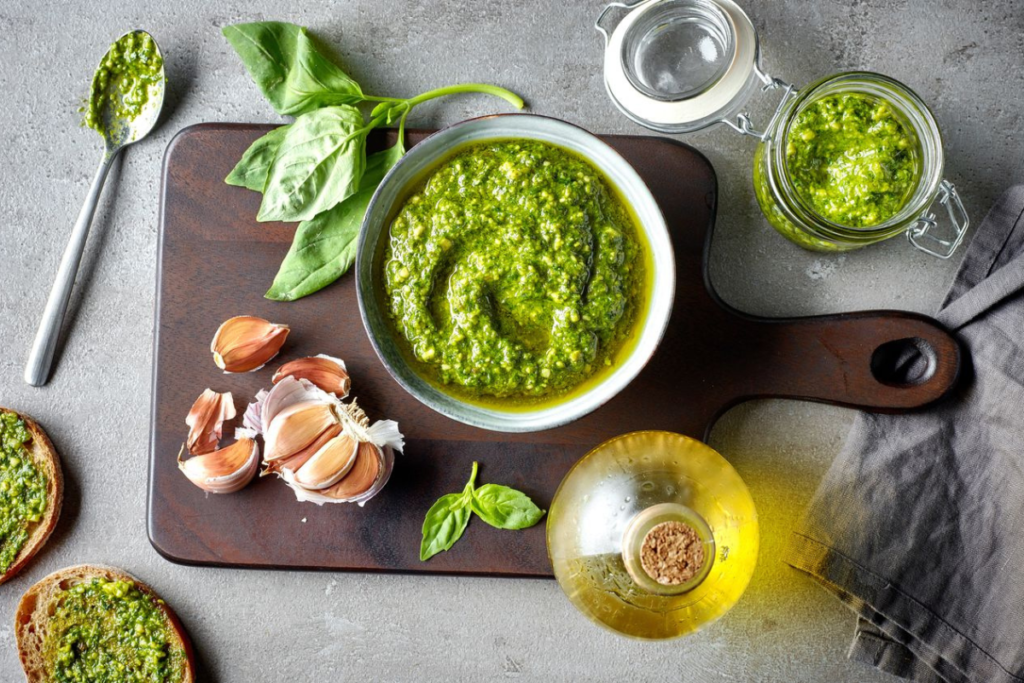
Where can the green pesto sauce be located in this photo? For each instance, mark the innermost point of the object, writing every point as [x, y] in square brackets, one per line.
[514, 271]
[111, 631]
[132, 67]
[852, 159]
[22, 489]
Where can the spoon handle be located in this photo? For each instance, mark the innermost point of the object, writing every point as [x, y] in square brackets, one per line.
[40, 358]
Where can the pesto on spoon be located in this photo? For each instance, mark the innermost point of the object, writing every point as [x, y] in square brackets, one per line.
[124, 103]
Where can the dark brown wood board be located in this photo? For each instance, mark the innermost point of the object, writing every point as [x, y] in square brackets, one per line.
[216, 261]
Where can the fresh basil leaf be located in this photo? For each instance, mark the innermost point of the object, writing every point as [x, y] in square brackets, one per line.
[252, 169]
[444, 524]
[324, 248]
[318, 165]
[505, 508]
[294, 77]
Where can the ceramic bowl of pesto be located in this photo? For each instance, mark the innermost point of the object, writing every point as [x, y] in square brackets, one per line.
[424, 363]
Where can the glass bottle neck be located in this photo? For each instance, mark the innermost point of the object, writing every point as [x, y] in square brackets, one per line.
[668, 549]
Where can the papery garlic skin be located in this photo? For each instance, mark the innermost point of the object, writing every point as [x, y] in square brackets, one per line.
[326, 372]
[226, 470]
[206, 421]
[246, 343]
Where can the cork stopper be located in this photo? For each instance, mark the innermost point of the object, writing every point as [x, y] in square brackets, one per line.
[672, 553]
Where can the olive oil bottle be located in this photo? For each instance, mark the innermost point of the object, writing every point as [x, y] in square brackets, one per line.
[653, 535]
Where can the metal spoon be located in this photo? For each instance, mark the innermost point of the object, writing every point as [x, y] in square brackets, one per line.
[117, 134]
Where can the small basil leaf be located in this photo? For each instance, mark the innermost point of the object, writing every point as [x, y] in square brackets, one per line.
[293, 76]
[505, 508]
[318, 165]
[325, 247]
[252, 169]
[444, 524]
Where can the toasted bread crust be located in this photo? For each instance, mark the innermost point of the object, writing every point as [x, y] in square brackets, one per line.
[32, 617]
[44, 455]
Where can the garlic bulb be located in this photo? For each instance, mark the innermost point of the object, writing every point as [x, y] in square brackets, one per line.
[246, 343]
[226, 470]
[206, 421]
[326, 372]
[351, 481]
[326, 450]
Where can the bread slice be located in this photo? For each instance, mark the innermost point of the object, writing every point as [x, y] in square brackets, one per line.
[31, 621]
[45, 457]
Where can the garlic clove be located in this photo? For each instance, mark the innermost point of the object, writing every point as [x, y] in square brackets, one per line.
[294, 462]
[226, 470]
[206, 421]
[336, 494]
[332, 462]
[246, 343]
[288, 391]
[296, 427]
[362, 474]
[326, 372]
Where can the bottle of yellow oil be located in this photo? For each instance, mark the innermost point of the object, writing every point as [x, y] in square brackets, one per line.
[653, 535]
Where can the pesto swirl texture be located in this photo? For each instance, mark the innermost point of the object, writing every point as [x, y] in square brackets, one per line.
[513, 271]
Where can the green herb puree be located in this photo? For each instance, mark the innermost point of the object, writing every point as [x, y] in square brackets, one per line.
[852, 159]
[132, 67]
[514, 271]
[22, 489]
[111, 631]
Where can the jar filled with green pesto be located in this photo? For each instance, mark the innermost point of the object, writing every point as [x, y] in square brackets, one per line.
[851, 160]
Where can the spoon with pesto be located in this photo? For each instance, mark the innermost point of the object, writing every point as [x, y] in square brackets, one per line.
[124, 104]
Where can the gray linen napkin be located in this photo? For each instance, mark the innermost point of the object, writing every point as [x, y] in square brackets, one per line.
[918, 525]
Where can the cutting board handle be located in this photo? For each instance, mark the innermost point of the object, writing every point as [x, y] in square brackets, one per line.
[851, 359]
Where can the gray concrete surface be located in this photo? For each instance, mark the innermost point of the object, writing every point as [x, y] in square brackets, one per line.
[965, 59]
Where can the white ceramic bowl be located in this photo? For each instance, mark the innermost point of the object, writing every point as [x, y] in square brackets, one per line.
[617, 170]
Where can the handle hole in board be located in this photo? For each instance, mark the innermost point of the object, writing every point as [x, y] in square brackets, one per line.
[904, 362]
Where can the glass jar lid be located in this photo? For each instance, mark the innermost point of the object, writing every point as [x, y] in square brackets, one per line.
[677, 66]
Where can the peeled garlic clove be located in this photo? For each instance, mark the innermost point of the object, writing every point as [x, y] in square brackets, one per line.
[329, 464]
[296, 427]
[206, 421]
[326, 372]
[294, 462]
[245, 343]
[226, 470]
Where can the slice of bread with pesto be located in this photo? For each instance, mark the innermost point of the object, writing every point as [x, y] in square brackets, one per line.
[31, 491]
[96, 623]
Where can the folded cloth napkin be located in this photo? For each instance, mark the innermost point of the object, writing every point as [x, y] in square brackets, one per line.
[918, 525]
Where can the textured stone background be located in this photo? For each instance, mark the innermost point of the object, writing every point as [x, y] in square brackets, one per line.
[963, 58]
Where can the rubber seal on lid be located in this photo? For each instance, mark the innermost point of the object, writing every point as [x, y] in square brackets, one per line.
[677, 66]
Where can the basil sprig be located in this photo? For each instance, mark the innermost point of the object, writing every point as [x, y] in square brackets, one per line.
[315, 171]
[500, 506]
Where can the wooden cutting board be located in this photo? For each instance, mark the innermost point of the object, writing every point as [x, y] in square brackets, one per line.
[216, 261]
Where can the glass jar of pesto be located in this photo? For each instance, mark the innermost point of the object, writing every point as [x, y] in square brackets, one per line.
[851, 160]
[854, 159]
